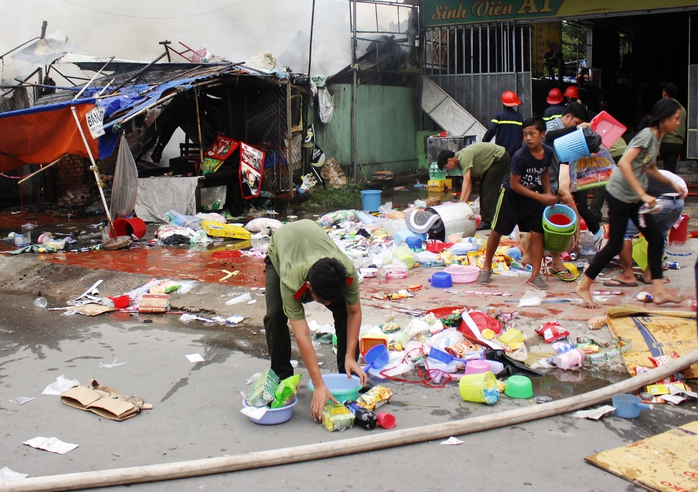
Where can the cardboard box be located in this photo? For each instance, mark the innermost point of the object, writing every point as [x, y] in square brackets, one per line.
[154, 303]
[432, 201]
[436, 185]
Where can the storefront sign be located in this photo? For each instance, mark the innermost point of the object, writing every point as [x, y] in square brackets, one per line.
[449, 12]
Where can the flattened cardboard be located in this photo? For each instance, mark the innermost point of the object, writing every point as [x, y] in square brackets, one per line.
[154, 303]
[103, 401]
[665, 462]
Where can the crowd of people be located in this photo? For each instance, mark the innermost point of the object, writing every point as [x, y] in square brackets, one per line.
[521, 174]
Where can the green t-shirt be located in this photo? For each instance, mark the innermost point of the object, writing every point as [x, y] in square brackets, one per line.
[478, 157]
[293, 249]
[678, 136]
[649, 147]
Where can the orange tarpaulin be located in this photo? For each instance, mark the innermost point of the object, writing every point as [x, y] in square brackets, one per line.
[42, 135]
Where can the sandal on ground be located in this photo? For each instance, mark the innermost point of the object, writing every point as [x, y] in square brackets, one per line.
[538, 283]
[640, 279]
[484, 277]
[616, 282]
[564, 275]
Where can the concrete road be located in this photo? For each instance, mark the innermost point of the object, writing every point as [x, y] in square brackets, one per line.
[196, 414]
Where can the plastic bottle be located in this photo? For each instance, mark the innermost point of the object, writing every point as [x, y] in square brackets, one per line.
[434, 171]
[362, 416]
[586, 243]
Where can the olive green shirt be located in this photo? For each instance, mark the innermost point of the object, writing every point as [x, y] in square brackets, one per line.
[293, 249]
[678, 136]
[478, 157]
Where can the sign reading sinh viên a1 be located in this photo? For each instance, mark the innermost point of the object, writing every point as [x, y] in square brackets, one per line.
[441, 12]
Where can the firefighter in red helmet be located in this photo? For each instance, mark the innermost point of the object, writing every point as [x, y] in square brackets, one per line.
[507, 124]
[556, 107]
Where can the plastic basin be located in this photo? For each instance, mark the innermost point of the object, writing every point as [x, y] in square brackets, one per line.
[442, 280]
[519, 387]
[340, 386]
[560, 220]
[274, 415]
[476, 366]
[463, 274]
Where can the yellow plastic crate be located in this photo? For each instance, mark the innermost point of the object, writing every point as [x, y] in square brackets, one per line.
[225, 230]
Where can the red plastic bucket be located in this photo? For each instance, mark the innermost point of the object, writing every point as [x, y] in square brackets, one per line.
[679, 234]
[127, 227]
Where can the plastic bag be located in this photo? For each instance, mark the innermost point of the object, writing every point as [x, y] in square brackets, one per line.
[263, 389]
[125, 187]
[286, 391]
[406, 255]
[592, 171]
[593, 139]
[532, 298]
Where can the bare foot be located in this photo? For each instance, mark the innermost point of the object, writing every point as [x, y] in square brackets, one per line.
[586, 297]
[664, 297]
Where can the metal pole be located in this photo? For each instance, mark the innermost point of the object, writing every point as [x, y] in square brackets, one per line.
[198, 129]
[310, 48]
[354, 83]
[289, 147]
[94, 169]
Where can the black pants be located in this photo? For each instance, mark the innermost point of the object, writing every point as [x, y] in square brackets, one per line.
[277, 331]
[669, 153]
[580, 198]
[490, 182]
[618, 214]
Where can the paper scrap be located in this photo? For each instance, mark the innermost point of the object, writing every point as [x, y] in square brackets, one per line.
[21, 400]
[52, 444]
[195, 358]
[113, 364]
[7, 474]
[673, 399]
[452, 441]
[595, 413]
[235, 319]
[60, 386]
[241, 298]
[254, 412]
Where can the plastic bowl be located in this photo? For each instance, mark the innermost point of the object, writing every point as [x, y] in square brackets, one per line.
[463, 274]
[519, 387]
[274, 415]
[437, 246]
[340, 386]
[442, 280]
[120, 301]
[476, 366]
[377, 357]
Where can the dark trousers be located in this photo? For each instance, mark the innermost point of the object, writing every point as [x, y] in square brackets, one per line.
[277, 331]
[669, 153]
[580, 198]
[618, 214]
[597, 202]
[490, 182]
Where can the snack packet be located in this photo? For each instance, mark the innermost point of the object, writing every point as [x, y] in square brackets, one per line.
[286, 391]
[336, 417]
[552, 331]
[263, 389]
[374, 398]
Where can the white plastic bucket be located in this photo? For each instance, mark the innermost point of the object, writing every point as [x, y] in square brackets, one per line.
[457, 217]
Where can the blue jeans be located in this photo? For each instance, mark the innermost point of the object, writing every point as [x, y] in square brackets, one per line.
[664, 219]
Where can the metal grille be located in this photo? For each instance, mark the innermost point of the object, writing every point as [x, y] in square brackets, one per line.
[477, 49]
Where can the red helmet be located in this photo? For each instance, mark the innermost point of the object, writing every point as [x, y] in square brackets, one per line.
[572, 92]
[554, 96]
[509, 98]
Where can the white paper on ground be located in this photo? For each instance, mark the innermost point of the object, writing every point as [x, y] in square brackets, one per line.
[452, 441]
[241, 298]
[254, 412]
[21, 400]
[195, 358]
[113, 364]
[531, 298]
[594, 414]
[7, 474]
[673, 399]
[60, 386]
[52, 444]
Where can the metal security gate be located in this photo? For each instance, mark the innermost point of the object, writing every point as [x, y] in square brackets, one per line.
[475, 63]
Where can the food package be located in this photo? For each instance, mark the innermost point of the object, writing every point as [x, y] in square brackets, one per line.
[337, 417]
[263, 389]
[552, 331]
[592, 171]
[597, 322]
[286, 391]
[375, 398]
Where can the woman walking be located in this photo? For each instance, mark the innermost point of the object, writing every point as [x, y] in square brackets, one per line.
[626, 193]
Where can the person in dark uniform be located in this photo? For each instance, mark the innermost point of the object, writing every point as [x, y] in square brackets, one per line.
[507, 124]
[556, 107]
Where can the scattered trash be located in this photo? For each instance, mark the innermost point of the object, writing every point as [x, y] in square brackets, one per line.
[102, 365]
[594, 414]
[52, 444]
[195, 358]
[60, 386]
[21, 400]
[452, 441]
[104, 401]
[241, 298]
[7, 474]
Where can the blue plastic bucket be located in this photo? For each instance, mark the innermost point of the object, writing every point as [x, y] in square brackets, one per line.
[572, 146]
[371, 200]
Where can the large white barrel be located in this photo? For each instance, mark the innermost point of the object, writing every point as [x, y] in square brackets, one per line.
[457, 217]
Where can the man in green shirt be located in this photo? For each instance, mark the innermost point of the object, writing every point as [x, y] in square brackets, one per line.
[490, 163]
[304, 265]
[672, 143]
